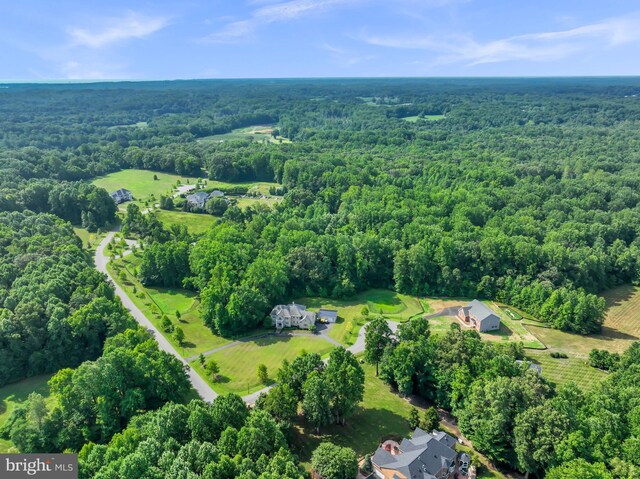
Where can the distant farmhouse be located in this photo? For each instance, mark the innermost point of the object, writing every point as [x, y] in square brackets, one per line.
[327, 315]
[121, 196]
[479, 316]
[292, 315]
[424, 456]
[198, 200]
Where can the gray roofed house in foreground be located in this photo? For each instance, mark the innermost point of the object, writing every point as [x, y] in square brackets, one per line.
[479, 316]
[424, 456]
[121, 195]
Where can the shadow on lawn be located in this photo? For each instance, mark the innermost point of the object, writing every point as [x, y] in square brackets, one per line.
[620, 295]
[363, 432]
[609, 334]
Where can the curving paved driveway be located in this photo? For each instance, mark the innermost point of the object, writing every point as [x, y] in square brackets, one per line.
[356, 348]
[199, 384]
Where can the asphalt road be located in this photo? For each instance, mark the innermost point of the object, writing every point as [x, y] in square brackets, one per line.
[199, 384]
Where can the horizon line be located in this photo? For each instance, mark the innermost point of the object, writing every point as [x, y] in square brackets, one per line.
[416, 77]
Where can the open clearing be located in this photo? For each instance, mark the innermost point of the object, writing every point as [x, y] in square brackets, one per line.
[392, 305]
[564, 370]
[621, 327]
[158, 301]
[14, 394]
[510, 329]
[196, 223]
[381, 414]
[259, 133]
[239, 363]
[89, 240]
[141, 184]
[416, 118]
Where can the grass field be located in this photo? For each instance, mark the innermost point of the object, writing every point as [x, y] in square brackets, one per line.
[249, 201]
[13, 394]
[89, 240]
[394, 306]
[158, 301]
[562, 371]
[381, 414]
[510, 329]
[196, 223]
[141, 184]
[258, 133]
[415, 118]
[239, 363]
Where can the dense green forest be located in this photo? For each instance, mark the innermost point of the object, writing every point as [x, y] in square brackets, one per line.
[525, 191]
[57, 310]
[511, 413]
[519, 190]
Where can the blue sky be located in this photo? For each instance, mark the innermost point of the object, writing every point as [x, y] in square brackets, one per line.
[115, 39]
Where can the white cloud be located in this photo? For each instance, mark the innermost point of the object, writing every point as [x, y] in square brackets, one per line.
[346, 57]
[131, 25]
[541, 46]
[275, 12]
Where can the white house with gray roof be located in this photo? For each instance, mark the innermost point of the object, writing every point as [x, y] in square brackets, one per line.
[424, 456]
[477, 315]
[292, 316]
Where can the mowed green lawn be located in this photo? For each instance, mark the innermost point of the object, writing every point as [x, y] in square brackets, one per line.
[14, 394]
[258, 133]
[510, 329]
[381, 414]
[239, 363]
[196, 223]
[90, 240]
[141, 184]
[158, 301]
[415, 118]
[394, 306]
[270, 201]
[564, 370]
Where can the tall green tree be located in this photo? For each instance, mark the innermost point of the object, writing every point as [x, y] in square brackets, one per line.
[377, 337]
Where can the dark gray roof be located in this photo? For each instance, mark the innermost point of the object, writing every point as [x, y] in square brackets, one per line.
[328, 313]
[421, 457]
